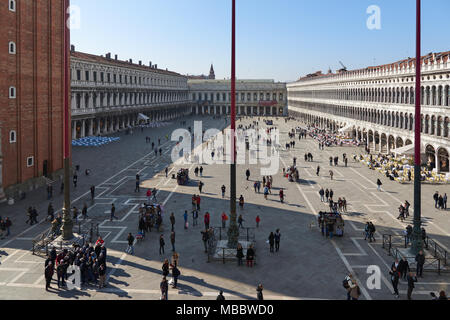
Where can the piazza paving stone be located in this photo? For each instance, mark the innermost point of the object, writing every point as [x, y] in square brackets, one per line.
[308, 265]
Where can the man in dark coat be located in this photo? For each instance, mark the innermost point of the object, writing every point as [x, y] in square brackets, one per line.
[395, 276]
[420, 259]
[49, 270]
[403, 268]
[411, 279]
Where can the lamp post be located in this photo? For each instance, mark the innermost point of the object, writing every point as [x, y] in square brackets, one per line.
[233, 231]
[67, 223]
[416, 237]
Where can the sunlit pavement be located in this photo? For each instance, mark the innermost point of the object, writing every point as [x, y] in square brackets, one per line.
[307, 266]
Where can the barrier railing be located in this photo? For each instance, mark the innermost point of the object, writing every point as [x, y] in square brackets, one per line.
[219, 234]
[436, 250]
[433, 264]
[391, 240]
[41, 243]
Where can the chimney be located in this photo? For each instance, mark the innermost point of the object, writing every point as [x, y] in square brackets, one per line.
[108, 55]
[131, 60]
[150, 64]
[156, 66]
[115, 57]
[140, 62]
[72, 48]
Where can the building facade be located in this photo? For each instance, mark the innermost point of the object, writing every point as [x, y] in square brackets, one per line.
[253, 97]
[31, 90]
[377, 105]
[109, 95]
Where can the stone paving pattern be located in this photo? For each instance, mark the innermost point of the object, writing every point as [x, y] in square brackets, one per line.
[308, 265]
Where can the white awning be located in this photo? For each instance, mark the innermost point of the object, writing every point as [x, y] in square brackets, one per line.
[406, 150]
[143, 117]
[347, 128]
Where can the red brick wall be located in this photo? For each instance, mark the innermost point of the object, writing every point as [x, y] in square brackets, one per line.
[37, 72]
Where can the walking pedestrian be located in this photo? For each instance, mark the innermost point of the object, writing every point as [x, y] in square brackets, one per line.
[250, 256]
[277, 240]
[172, 219]
[185, 217]
[137, 188]
[172, 240]
[403, 268]
[75, 180]
[223, 188]
[420, 259]
[206, 220]
[271, 242]
[205, 237]
[84, 212]
[259, 291]
[113, 211]
[411, 279]
[395, 275]
[161, 244]
[258, 220]
[175, 274]
[379, 184]
[92, 192]
[239, 254]
[49, 271]
[164, 287]
[445, 201]
[355, 291]
[322, 193]
[194, 217]
[436, 199]
[240, 221]
[224, 220]
[241, 202]
[8, 224]
[130, 248]
[347, 284]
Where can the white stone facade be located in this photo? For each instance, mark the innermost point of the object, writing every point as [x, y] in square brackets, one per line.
[253, 97]
[377, 105]
[107, 95]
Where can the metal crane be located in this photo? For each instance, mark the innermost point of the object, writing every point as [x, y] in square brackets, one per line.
[344, 68]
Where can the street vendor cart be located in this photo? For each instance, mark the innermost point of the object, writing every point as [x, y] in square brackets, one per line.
[183, 176]
[331, 223]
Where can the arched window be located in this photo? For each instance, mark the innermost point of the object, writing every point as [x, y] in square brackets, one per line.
[12, 136]
[12, 5]
[12, 48]
[12, 92]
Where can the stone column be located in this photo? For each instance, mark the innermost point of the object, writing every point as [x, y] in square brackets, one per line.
[105, 126]
[73, 101]
[83, 128]
[74, 130]
[91, 127]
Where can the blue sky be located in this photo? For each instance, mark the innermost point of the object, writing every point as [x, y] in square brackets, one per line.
[276, 39]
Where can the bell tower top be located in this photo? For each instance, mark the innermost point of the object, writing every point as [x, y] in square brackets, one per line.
[212, 75]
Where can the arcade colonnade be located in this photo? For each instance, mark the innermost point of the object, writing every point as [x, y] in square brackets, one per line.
[380, 137]
[110, 123]
[240, 110]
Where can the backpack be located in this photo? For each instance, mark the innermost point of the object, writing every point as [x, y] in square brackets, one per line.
[345, 283]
